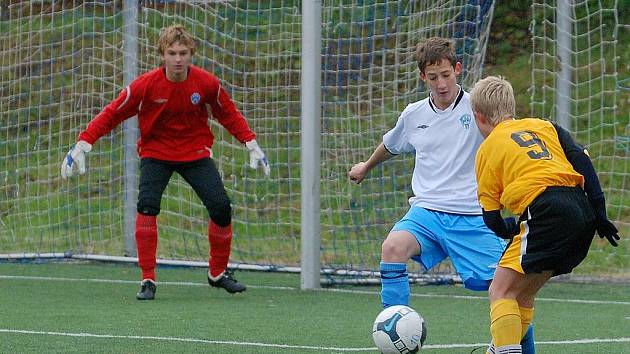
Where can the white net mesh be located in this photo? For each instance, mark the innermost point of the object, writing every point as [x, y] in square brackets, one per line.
[62, 61]
[593, 105]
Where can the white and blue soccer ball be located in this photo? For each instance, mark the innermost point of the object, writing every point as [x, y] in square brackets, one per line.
[399, 330]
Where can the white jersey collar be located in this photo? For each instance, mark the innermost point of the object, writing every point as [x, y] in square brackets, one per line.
[454, 104]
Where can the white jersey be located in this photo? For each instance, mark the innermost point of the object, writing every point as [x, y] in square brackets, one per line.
[445, 143]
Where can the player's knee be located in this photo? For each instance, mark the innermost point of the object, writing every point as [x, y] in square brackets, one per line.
[147, 208]
[499, 291]
[492, 292]
[393, 250]
[220, 212]
[526, 300]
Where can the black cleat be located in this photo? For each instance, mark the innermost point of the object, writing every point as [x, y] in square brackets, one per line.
[147, 290]
[228, 282]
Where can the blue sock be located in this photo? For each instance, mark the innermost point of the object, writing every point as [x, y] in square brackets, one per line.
[527, 343]
[394, 284]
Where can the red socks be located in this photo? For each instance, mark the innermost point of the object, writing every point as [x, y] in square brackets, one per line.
[146, 242]
[220, 238]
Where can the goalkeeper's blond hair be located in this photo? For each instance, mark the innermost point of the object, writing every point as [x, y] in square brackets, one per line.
[175, 33]
[494, 98]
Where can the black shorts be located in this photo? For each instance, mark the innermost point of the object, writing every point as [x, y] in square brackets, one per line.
[202, 175]
[556, 231]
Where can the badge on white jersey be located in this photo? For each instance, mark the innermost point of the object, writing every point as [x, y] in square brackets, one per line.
[465, 121]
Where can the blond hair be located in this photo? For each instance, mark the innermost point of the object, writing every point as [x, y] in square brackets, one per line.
[433, 50]
[494, 98]
[175, 33]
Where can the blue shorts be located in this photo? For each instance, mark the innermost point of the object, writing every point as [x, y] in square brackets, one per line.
[474, 249]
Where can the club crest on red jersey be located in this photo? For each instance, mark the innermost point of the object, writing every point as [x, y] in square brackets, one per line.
[195, 98]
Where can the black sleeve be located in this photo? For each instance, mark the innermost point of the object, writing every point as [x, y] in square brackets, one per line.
[503, 228]
[581, 162]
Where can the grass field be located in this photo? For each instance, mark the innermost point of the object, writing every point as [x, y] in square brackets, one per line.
[91, 308]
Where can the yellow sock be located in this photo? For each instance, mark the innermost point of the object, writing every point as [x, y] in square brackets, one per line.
[505, 322]
[527, 316]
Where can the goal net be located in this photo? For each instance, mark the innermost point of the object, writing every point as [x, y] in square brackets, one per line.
[580, 38]
[62, 61]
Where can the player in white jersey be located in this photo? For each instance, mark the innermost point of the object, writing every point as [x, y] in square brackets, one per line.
[444, 162]
[445, 218]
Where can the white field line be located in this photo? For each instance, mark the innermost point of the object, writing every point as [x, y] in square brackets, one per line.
[188, 340]
[366, 292]
[288, 346]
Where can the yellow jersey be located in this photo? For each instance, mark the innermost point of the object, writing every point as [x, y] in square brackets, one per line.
[518, 161]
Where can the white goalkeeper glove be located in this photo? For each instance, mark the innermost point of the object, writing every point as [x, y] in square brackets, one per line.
[76, 156]
[257, 156]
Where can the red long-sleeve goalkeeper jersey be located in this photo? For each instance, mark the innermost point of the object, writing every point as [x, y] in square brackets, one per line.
[172, 116]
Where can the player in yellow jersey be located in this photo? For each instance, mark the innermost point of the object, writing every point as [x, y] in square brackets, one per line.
[533, 168]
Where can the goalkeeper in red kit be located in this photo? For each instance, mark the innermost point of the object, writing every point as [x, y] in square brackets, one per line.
[171, 104]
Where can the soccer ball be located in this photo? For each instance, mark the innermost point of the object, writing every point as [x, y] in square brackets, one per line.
[399, 330]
